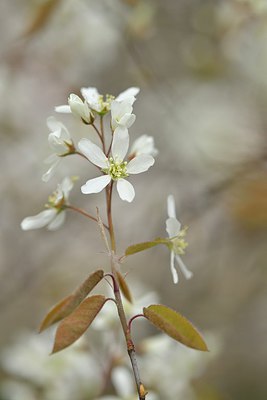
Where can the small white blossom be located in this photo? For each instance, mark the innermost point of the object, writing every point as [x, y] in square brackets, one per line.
[55, 214]
[121, 114]
[96, 101]
[114, 168]
[177, 242]
[143, 145]
[77, 107]
[60, 142]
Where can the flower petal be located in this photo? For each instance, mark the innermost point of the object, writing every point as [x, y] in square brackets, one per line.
[65, 109]
[140, 164]
[38, 221]
[128, 94]
[57, 222]
[127, 120]
[173, 269]
[188, 274]
[125, 190]
[171, 206]
[93, 153]
[173, 227]
[96, 185]
[50, 172]
[144, 145]
[120, 143]
[66, 187]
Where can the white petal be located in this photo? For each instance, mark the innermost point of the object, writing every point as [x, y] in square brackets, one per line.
[57, 221]
[120, 143]
[57, 144]
[50, 172]
[65, 109]
[173, 227]
[140, 164]
[125, 190]
[90, 94]
[119, 109]
[173, 270]
[38, 221]
[53, 124]
[171, 206]
[66, 187]
[188, 274]
[96, 185]
[144, 145]
[127, 120]
[93, 153]
[128, 94]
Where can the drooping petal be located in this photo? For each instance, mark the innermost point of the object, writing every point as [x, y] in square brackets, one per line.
[125, 190]
[128, 94]
[57, 222]
[93, 153]
[38, 221]
[173, 227]
[50, 172]
[120, 143]
[66, 187]
[65, 109]
[140, 164]
[57, 145]
[188, 274]
[96, 185]
[173, 269]
[171, 206]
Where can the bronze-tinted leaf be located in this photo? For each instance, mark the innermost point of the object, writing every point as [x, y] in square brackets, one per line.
[175, 325]
[63, 308]
[124, 287]
[136, 248]
[73, 326]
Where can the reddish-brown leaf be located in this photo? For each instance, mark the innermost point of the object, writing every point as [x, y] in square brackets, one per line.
[63, 308]
[72, 327]
[124, 287]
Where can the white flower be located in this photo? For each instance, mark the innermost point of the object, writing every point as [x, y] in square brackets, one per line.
[77, 107]
[177, 242]
[143, 145]
[55, 215]
[96, 101]
[60, 142]
[114, 168]
[121, 114]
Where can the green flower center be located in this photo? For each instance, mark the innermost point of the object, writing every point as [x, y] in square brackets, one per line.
[55, 201]
[105, 103]
[117, 169]
[178, 243]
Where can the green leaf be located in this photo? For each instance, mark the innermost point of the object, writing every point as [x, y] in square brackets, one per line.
[175, 325]
[124, 287]
[64, 307]
[136, 248]
[73, 326]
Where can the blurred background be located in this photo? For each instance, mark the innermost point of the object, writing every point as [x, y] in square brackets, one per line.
[202, 69]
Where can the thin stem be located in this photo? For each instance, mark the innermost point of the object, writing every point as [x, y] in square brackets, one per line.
[84, 213]
[133, 318]
[109, 189]
[98, 133]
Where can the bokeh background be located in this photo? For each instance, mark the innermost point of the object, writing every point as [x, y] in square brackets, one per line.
[202, 69]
